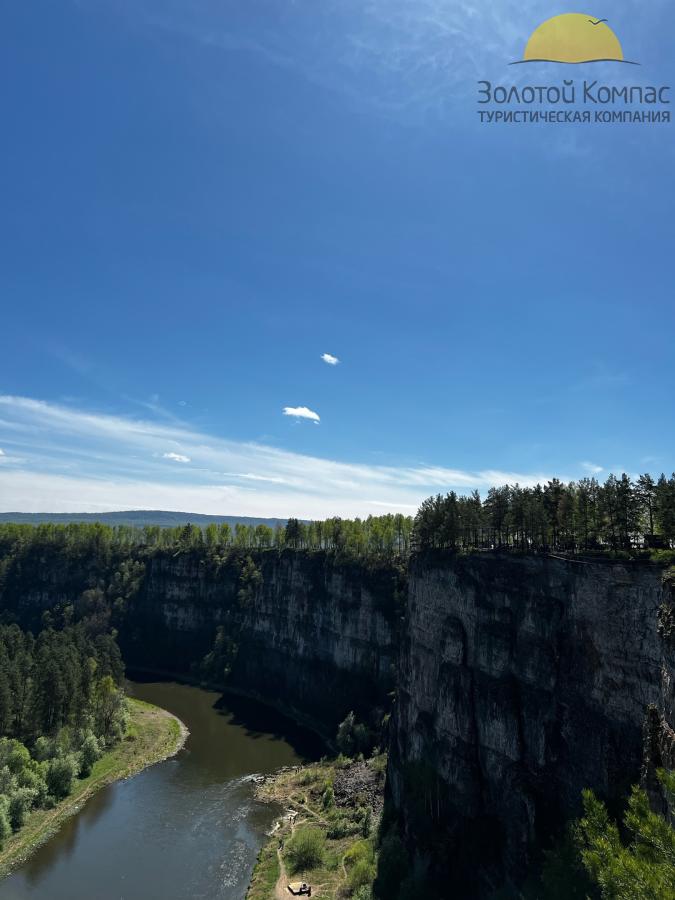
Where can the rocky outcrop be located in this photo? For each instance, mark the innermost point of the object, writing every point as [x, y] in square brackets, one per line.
[522, 681]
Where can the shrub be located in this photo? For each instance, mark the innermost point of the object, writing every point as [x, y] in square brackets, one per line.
[339, 827]
[7, 781]
[44, 749]
[328, 798]
[89, 753]
[33, 778]
[363, 893]
[19, 804]
[360, 865]
[367, 823]
[5, 827]
[353, 737]
[361, 875]
[305, 850]
[61, 773]
[14, 755]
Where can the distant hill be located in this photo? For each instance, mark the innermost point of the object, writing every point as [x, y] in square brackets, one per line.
[136, 517]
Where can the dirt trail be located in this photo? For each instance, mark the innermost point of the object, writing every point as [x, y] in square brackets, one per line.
[281, 887]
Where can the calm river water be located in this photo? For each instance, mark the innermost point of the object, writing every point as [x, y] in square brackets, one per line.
[185, 828]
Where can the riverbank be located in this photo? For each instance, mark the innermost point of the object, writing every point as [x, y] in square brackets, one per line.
[326, 832]
[152, 735]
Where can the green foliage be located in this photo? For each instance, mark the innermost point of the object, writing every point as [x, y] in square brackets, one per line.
[354, 737]
[250, 579]
[90, 751]
[328, 797]
[14, 755]
[61, 773]
[123, 548]
[367, 822]
[644, 868]
[619, 517]
[360, 865]
[108, 708]
[5, 826]
[339, 826]
[20, 803]
[305, 850]
[363, 893]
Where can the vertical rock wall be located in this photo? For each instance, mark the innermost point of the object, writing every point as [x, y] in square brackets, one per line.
[522, 681]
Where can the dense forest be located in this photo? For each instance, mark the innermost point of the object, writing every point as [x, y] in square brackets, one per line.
[60, 707]
[385, 536]
[620, 516]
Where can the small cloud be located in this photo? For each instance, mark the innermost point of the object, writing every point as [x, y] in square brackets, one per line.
[176, 457]
[331, 360]
[301, 412]
[182, 402]
[591, 468]
[250, 476]
[2, 452]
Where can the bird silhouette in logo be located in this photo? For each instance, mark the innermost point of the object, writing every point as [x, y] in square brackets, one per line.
[597, 21]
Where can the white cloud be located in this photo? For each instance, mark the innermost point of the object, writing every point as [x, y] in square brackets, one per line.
[302, 412]
[72, 460]
[2, 452]
[250, 476]
[591, 468]
[330, 359]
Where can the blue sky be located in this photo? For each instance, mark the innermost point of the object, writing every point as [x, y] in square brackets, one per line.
[199, 199]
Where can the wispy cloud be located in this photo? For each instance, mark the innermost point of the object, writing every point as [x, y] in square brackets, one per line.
[176, 457]
[592, 468]
[302, 412]
[61, 458]
[407, 60]
[330, 359]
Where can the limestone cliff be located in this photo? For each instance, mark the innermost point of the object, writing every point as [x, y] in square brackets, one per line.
[522, 680]
[319, 636]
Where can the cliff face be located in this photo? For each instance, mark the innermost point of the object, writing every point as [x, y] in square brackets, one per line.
[522, 681]
[317, 636]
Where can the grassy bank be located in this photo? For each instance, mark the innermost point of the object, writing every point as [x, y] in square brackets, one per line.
[325, 835]
[152, 734]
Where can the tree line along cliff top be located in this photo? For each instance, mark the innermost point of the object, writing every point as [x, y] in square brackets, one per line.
[620, 518]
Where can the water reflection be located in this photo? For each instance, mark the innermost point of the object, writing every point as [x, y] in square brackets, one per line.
[188, 827]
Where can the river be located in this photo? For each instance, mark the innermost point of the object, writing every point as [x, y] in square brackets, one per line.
[188, 827]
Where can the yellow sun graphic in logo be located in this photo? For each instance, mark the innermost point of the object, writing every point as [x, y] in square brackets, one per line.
[573, 38]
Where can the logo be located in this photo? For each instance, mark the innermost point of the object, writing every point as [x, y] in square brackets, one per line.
[573, 38]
